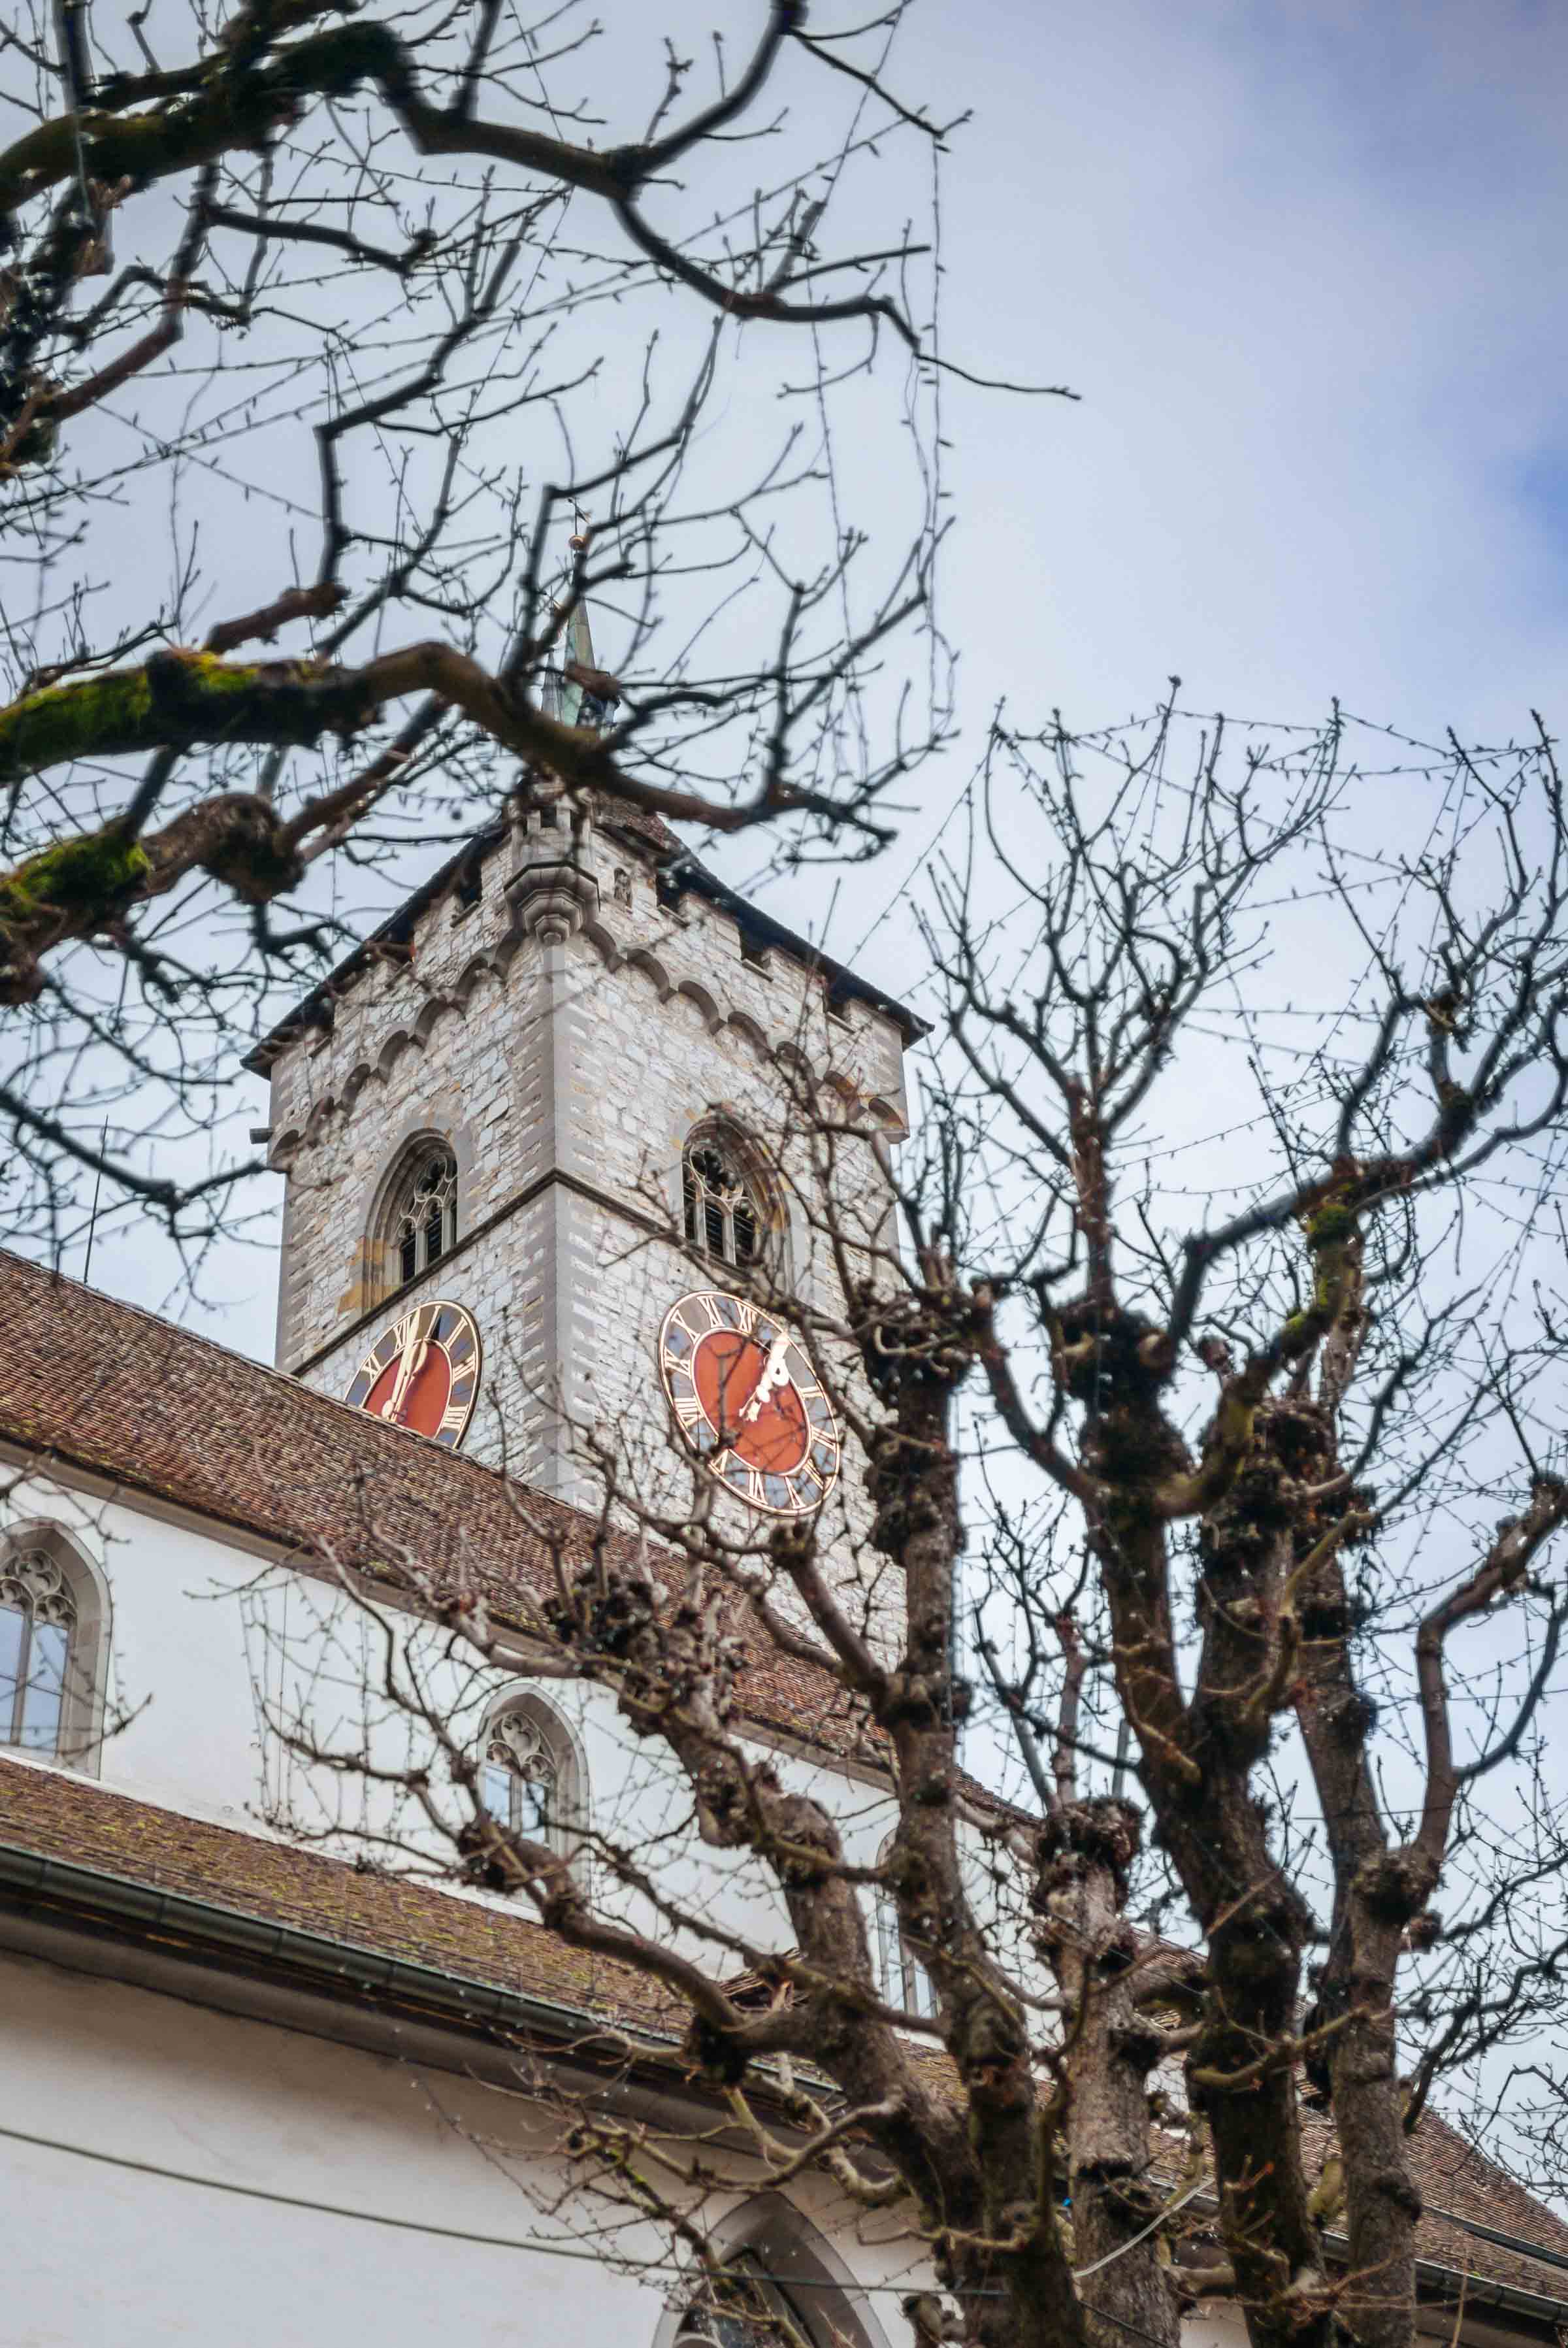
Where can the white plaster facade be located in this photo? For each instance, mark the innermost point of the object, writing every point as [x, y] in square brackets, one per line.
[136, 2060]
[128, 2076]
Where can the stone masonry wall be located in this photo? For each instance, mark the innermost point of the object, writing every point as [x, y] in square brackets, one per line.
[564, 1036]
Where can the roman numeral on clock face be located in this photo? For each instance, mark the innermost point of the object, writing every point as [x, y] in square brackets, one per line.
[769, 1363]
[413, 1326]
[407, 1351]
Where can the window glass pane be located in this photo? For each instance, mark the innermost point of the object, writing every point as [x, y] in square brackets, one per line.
[734, 2328]
[13, 1638]
[889, 1973]
[424, 1223]
[922, 1994]
[495, 1791]
[46, 1687]
[533, 1805]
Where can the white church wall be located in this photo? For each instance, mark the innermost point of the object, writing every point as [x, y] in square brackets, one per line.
[108, 2258]
[212, 1645]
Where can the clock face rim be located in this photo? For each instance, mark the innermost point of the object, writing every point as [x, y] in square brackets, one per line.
[819, 1430]
[468, 1374]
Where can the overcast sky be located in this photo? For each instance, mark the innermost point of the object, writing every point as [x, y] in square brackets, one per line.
[1304, 266]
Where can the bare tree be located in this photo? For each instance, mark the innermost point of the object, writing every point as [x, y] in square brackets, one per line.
[410, 337]
[1229, 1256]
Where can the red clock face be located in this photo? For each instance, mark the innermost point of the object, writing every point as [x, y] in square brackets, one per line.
[749, 1403]
[423, 1372]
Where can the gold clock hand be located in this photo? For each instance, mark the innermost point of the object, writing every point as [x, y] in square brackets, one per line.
[775, 1373]
[408, 1368]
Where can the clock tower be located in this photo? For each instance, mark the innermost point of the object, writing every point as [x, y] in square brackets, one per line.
[550, 1187]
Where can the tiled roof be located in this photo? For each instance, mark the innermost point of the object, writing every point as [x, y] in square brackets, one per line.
[94, 1383]
[156, 1410]
[57, 1814]
[1454, 2176]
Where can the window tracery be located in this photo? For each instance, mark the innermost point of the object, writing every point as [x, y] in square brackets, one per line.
[725, 1210]
[422, 1219]
[37, 1623]
[530, 1780]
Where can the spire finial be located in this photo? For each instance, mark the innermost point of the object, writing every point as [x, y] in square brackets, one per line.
[583, 693]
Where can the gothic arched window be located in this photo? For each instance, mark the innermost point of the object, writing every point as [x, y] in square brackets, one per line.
[724, 1202]
[38, 1627]
[777, 2284]
[530, 1779]
[422, 1220]
[53, 1647]
[747, 2306]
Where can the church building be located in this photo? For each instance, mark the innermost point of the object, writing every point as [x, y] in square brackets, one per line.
[274, 2071]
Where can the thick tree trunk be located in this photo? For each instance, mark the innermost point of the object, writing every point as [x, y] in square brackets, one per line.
[1085, 1850]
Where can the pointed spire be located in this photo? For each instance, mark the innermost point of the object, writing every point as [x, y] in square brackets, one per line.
[580, 693]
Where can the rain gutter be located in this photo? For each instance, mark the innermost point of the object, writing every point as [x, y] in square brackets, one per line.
[32, 1882]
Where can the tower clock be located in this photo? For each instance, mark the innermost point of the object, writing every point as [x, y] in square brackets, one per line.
[748, 1402]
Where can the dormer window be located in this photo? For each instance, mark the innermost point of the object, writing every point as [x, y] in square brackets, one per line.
[425, 1215]
[725, 1215]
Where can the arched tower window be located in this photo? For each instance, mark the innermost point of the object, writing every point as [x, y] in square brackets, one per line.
[723, 1202]
[531, 1778]
[52, 1630]
[422, 1221]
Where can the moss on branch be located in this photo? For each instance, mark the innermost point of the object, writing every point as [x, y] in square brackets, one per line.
[230, 108]
[175, 699]
[100, 871]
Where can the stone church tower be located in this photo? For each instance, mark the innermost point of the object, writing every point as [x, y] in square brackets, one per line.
[553, 1091]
